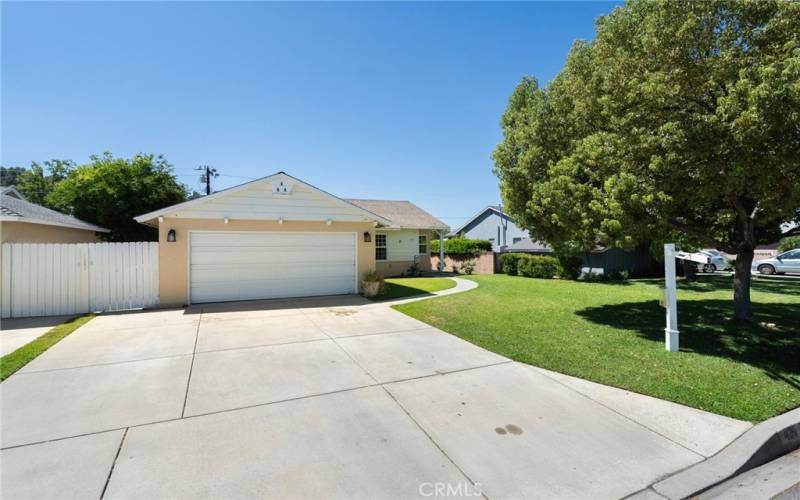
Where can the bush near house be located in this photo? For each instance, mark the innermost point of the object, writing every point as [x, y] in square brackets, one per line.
[462, 246]
[530, 266]
[789, 243]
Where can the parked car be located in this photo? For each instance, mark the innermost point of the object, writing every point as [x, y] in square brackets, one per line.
[787, 262]
[716, 261]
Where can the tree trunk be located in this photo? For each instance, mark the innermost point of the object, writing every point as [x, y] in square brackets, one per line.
[689, 270]
[743, 309]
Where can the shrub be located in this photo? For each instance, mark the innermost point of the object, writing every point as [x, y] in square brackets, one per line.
[462, 246]
[789, 243]
[508, 262]
[538, 266]
[468, 267]
[570, 266]
[372, 276]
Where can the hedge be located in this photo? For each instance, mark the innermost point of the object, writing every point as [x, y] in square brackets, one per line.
[530, 266]
[462, 246]
[789, 243]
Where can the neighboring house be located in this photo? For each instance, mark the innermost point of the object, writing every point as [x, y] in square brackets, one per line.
[605, 260]
[526, 245]
[280, 237]
[601, 260]
[24, 222]
[494, 225]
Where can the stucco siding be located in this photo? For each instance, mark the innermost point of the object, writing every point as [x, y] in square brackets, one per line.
[25, 232]
[174, 257]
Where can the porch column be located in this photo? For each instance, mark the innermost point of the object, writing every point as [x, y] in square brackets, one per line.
[441, 251]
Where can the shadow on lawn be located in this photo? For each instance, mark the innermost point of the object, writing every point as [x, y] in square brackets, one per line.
[395, 291]
[725, 283]
[706, 328]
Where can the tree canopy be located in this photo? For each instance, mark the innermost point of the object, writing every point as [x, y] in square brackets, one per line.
[110, 191]
[680, 120]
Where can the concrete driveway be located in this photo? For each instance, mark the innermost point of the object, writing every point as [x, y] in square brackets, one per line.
[330, 397]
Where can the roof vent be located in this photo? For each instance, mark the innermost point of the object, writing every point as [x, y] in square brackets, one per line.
[281, 187]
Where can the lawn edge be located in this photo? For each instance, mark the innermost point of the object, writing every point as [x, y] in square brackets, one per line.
[16, 360]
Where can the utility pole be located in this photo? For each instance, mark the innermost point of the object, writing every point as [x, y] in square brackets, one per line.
[206, 174]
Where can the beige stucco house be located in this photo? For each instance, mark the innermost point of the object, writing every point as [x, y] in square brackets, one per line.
[24, 222]
[280, 237]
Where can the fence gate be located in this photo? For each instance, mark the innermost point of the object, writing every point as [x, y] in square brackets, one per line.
[47, 279]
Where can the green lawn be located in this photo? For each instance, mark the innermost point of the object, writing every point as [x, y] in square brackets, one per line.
[614, 334]
[395, 288]
[13, 361]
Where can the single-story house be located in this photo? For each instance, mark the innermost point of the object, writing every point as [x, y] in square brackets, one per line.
[606, 260]
[527, 245]
[601, 260]
[494, 225]
[278, 237]
[24, 222]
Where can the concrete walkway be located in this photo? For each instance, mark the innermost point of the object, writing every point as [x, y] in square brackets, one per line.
[332, 397]
[16, 332]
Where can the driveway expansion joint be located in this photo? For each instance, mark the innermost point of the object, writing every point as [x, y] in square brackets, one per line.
[114, 463]
[191, 365]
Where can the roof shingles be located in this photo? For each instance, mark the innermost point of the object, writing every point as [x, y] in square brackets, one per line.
[403, 214]
[22, 209]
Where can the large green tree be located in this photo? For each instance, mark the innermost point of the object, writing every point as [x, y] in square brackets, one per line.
[681, 120]
[39, 181]
[111, 191]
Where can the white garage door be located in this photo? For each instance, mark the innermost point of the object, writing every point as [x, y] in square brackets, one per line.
[241, 266]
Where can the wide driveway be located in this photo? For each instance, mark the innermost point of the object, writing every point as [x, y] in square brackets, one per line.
[330, 397]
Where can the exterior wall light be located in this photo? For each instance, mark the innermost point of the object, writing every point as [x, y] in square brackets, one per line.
[280, 220]
[171, 236]
[226, 220]
[329, 222]
[367, 237]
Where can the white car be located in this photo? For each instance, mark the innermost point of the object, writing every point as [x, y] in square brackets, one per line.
[716, 261]
[787, 262]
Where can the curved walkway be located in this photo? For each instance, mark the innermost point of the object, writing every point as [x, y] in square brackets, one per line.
[462, 285]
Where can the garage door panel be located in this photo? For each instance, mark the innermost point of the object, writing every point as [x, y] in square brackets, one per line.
[222, 239]
[254, 274]
[272, 257]
[242, 266]
[252, 290]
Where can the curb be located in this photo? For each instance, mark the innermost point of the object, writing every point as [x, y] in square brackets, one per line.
[760, 444]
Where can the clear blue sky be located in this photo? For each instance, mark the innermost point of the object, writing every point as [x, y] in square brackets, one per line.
[373, 100]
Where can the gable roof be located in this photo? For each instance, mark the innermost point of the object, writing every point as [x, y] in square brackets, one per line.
[488, 208]
[150, 216]
[402, 214]
[18, 210]
[12, 191]
[528, 245]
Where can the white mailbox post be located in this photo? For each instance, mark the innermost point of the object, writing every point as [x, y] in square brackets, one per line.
[670, 299]
[670, 289]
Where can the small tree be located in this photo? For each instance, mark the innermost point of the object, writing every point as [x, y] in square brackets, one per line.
[680, 119]
[110, 191]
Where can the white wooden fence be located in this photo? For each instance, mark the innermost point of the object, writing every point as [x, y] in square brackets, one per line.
[46, 279]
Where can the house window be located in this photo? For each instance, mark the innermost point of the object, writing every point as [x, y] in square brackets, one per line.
[517, 240]
[380, 247]
[423, 244]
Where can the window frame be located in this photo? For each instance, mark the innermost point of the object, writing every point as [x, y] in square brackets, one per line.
[423, 244]
[378, 246]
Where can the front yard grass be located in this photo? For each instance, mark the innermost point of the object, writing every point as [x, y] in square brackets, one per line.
[614, 334]
[395, 288]
[13, 361]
